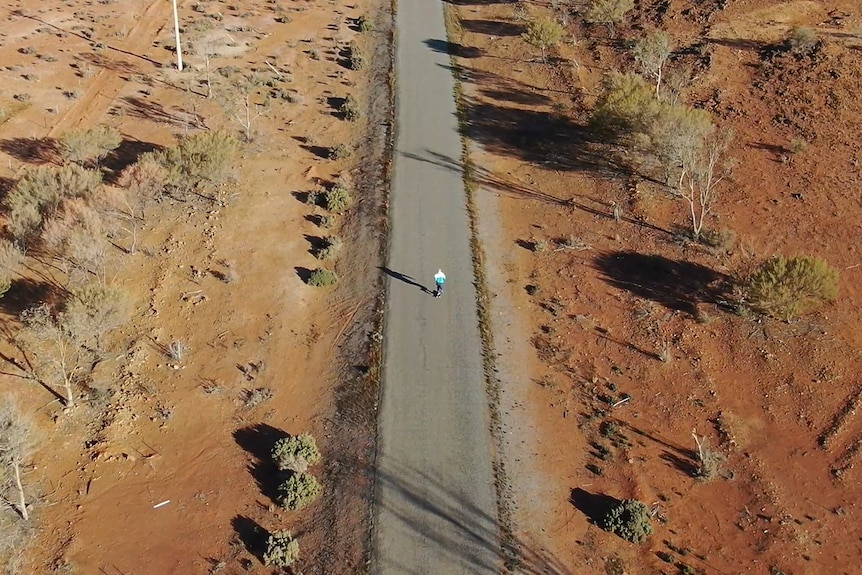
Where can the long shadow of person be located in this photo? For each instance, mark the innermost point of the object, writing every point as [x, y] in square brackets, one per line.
[405, 278]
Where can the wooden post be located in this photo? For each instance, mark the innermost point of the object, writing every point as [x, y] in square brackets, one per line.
[177, 35]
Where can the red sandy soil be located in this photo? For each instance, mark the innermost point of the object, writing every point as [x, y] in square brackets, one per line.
[631, 308]
[151, 429]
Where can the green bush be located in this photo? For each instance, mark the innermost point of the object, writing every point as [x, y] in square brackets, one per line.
[322, 278]
[608, 11]
[300, 490]
[543, 33]
[364, 24]
[295, 453]
[337, 198]
[282, 550]
[785, 287]
[627, 104]
[629, 519]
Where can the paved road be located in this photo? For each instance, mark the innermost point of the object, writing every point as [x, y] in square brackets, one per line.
[436, 509]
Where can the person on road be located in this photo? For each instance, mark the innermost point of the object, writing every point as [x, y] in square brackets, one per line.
[439, 280]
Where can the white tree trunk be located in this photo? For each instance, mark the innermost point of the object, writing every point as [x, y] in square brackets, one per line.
[22, 501]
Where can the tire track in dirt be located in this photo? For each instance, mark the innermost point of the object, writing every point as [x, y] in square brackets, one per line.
[107, 83]
[844, 423]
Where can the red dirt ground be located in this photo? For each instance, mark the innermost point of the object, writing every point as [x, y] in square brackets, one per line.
[630, 308]
[151, 429]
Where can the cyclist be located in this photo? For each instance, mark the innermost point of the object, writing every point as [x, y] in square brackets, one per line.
[439, 280]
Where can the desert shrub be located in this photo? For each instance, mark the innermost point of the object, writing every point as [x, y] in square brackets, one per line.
[75, 238]
[355, 59]
[38, 194]
[298, 491]
[202, 157]
[91, 145]
[785, 287]
[322, 278]
[282, 550]
[627, 104]
[10, 258]
[652, 51]
[337, 198]
[364, 24]
[543, 33]
[328, 248]
[349, 108]
[144, 179]
[708, 460]
[800, 41]
[93, 310]
[630, 519]
[295, 453]
[608, 11]
[338, 152]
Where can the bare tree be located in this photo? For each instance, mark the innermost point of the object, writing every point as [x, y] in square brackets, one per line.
[75, 237]
[652, 52]
[17, 441]
[92, 311]
[243, 100]
[57, 359]
[703, 168]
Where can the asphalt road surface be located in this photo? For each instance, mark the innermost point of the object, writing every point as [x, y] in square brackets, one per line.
[435, 501]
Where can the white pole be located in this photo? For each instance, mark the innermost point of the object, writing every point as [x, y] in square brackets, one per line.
[177, 34]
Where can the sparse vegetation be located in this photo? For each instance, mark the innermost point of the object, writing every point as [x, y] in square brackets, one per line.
[251, 398]
[282, 550]
[176, 350]
[329, 246]
[355, 59]
[298, 491]
[89, 145]
[630, 519]
[322, 278]
[295, 453]
[93, 310]
[801, 41]
[364, 24]
[708, 460]
[786, 287]
[338, 152]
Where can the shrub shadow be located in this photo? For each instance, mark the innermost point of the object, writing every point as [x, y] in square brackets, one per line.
[453, 49]
[593, 505]
[492, 27]
[32, 150]
[25, 293]
[126, 154]
[258, 441]
[677, 285]
[303, 273]
[321, 152]
[682, 464]
[251, 535]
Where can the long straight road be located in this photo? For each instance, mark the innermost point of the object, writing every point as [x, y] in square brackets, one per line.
[435, 502]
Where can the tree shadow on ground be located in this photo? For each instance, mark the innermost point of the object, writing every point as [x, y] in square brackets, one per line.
[683, 464]
[677, 285]
[593, 505]
[492, 27]
[251, 534]
[126, 154]
[258, 440]
[143, 109]
[453, 49]
[303, 273]
[25, 293]
[32, 150]
[6, 185]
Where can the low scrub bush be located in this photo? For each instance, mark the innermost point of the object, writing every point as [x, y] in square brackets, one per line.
[338, 198]
[298, 491]
[338, 152]
[38, 194]
[786, 287]
[295, 453]
[322, 278]
[282, 550]
[364, 24]
[350, 109]
[329, 247]
[202, 157]
[355, 59]
[800, 41]
[627, 104]
[10, 258]
[91, 145]
[630, 519]
[608, 11]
